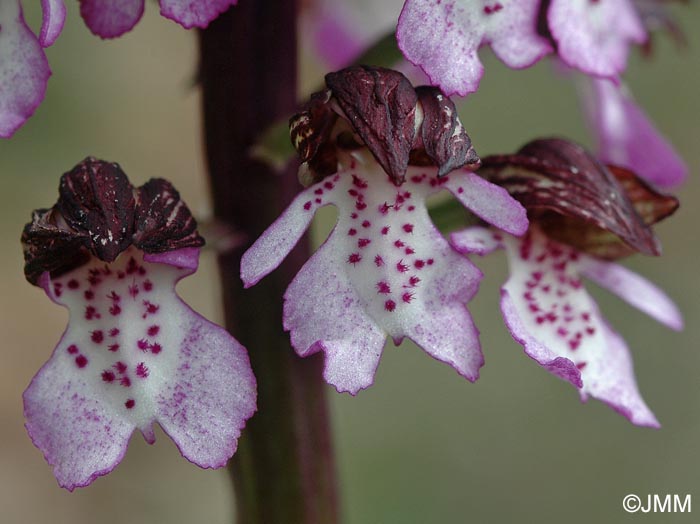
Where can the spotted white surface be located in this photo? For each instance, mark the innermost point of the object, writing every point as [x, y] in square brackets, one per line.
[134, 354]
[384, 271]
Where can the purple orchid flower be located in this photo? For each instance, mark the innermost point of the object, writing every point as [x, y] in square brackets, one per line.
[627, 137]
[443, 37]
[24, 69]
[385, 270]
[580, 212]
[133, 352]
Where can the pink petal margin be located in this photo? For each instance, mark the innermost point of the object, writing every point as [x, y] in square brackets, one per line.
[194, 13]
[276, 242]
[627, 137]
[634, 289]
[54, 16]
[490, 202]
[476, 240]
[24, 70]
[323, 312]
[559, 366]
[111, 18]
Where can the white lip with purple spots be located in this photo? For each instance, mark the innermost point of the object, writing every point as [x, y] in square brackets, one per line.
[134, 354]
[548, 311]
[384, 271]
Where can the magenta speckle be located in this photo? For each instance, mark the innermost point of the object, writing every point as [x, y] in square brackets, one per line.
[141, 370]
[378, 261]
[129, 404]
[120, 367]
[307, 205]
[407, 297]
[156, 348]
[113, 347]
[408, 228]
[81, 361]
[142, 344]
[358, 182]
[401, 267]
[108, 376]
[352, 232]
[97, 336]
[73, 284]
[147, 285]
[125, 381]
[385, 230]
[354, 258]
[153, 330]
[89, 294]
[390, 305]
[366, 224]
[73, 349]
[363, 242]
[383, 288]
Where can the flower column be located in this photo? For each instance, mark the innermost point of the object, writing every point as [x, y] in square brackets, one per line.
[284, 469]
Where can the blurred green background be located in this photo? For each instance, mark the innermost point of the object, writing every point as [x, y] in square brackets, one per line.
[422, 445]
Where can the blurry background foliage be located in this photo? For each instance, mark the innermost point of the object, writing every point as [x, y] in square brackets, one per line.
[422, 445]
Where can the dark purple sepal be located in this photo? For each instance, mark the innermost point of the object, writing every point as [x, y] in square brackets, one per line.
[574, 198]
[51, 247]
[310, 132]
[651, 205]
[380, 105]
[100, 214]
[443, 137]
[96, 200]
[163, 222]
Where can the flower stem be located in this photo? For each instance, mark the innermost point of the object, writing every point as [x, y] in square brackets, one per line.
[284, 469]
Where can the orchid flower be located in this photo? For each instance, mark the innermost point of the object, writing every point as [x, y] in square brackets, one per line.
[133, 352]
[24, 69]
[580, 213]
[385, 270]
[443, 37]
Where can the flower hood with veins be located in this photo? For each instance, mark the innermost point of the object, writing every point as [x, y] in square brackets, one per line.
[24, 69]
[443, 37]
[385, 270]
[604, 213]
[133, 352]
